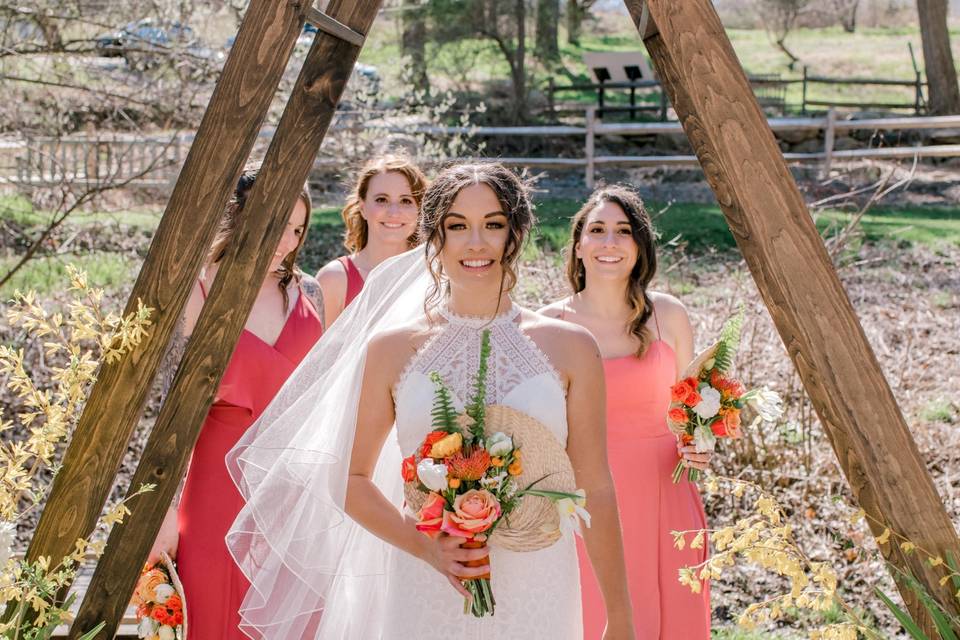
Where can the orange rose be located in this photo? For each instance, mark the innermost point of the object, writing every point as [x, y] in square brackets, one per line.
[473, 512]
[731, 421]
[693, 399]
[432, 437]
[677, 416]
[719, 428]
[680, 391]
[409, 469]
[147, 584]
[173, 603]
[430, 516]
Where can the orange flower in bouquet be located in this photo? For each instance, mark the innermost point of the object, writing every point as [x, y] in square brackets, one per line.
[469, 478]
[161, 613]
[706, 403]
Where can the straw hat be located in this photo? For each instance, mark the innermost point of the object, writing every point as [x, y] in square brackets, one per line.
[534, 523]
[693, 369]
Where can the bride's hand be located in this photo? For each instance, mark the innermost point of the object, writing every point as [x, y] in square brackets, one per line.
[693, 459]
[444, 554]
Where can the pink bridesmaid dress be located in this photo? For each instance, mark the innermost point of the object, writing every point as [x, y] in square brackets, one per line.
[642, 453]
[213, 585]
[354, 280]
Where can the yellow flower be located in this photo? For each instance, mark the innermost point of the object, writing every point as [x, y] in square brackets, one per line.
[447, 446]
[884, 537]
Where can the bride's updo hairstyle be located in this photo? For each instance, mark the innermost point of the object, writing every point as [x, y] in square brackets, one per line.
[514, 197]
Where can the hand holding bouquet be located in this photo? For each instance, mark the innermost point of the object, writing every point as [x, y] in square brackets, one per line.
[707, 401]
[161, 610]
[465, 479]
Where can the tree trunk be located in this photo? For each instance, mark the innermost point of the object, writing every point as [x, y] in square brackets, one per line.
[574, 21]
[548, 19]
[944, 96]
[520, 68]
[413, 44]
[849, 19]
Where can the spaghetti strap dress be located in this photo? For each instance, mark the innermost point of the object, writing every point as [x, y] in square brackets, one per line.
[642, 453]
[354, 280]
[213, 585]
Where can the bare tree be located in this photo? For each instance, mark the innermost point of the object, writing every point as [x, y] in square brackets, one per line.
[845, 12]
[779, 18]
[937, 57]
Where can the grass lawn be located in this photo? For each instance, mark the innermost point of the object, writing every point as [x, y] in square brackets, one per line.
[870, 52]
[701, 226]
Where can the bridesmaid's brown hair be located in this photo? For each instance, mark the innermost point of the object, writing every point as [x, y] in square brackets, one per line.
[288, 269]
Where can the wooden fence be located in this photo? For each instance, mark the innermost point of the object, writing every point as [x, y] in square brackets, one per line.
[156, 161]
[769, 89]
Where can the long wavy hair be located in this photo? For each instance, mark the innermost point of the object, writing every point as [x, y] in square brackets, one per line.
[288, 269]
[641, 229]
[356, 235]
[512, 193]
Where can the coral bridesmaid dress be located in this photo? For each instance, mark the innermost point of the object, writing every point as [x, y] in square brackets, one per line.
[642, 453]
[213, 585]
[354, 280]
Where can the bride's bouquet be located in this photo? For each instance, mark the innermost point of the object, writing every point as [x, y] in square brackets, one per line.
[471, 478]
[707, 401]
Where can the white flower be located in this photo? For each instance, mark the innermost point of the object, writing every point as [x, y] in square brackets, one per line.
[493, 482]
[572, 512]
[709, 403]
[499, 444]
[147, 628]
[162, 592]
[703, 439]
[166, 633]
[767, 404]
[8, 532]
[432, 474]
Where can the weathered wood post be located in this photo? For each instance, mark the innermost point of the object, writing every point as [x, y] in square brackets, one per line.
[286, 165]
[224, 140]
[798, 283]
[590, 146]
[829, 137]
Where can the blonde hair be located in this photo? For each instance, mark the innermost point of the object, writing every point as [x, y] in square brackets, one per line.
[356, 235]
[288, 269]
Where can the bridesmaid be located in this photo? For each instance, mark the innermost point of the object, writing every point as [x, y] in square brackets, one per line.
[646, 340]
[284, 323]
[381, 218]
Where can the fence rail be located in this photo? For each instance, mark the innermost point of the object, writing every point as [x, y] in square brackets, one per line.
[120, 158]
[770, 90]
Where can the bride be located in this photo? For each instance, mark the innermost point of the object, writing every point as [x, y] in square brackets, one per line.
[324, 448]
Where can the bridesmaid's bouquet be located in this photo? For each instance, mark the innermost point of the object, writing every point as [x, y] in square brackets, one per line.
[707, 401]
[161, 610]
[465, 480]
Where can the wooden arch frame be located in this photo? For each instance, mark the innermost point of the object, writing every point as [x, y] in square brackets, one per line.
[738, 154]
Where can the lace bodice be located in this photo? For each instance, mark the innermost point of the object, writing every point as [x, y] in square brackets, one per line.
[538, 593]
[519, 374]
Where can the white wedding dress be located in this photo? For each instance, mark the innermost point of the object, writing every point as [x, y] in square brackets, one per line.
[537, 593]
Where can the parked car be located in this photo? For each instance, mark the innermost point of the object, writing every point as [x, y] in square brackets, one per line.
[141, 42]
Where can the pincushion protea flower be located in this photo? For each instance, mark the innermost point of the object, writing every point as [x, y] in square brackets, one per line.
[472, 466]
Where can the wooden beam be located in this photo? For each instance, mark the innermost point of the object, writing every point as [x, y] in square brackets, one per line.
[798, 283]
[226, 135]
[286, 165]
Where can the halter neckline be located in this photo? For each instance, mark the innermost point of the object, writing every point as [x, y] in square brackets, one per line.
[479, 322]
